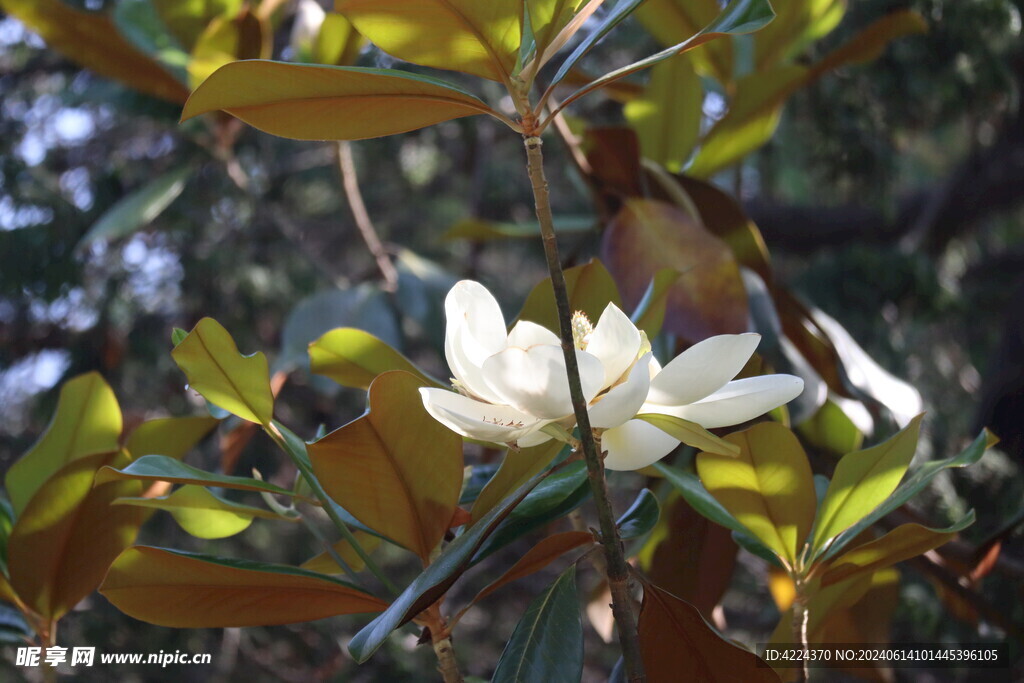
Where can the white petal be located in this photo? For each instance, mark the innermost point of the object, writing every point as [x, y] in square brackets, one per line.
[623, 401]
[741, 400]
[635, 444]
[526, 334]
[534, 380]
[463, 415]
[469, 374]
[702, 369]
[533, 439]
[475, 330]
[615, 341]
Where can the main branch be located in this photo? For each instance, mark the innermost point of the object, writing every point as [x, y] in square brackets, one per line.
[618, 571]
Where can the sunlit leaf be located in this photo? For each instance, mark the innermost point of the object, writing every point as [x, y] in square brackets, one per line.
[517, 467]
[863, 480]
[324, 563]
[354, 358]
[548, 18]
[338, 43]
[674, 637]
[396, 469]
[170, 436]
[92, 40]
[620, 11]
[590, 286]
[902, 543]
[214, 367]
[831, 429]
[202, 513]
[312, 102]
[690, 433]
[640, 517]
[87, 421]
[672, 21]
[691, 489]
[649, 235]
[183, 590]
[797, 25]
[547, 643]
[667, 118]
[163, 468]
[187, 19]
[768, 487]
[481, 38]
[543, 553]
[68, 535]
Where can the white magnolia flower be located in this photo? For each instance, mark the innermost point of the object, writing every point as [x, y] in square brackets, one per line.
[696, 386]
[509, 386]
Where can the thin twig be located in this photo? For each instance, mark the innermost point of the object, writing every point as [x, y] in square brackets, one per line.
[350, 181]
[801, 617]
[618, 570]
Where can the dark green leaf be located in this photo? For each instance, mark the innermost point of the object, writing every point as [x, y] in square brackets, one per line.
[140, 208]
[163, 468]
[641, 516]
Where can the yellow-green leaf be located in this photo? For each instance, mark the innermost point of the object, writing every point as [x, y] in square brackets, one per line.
[691, 433]
[338, 42]
[591, 288]
[325, 564]
[863, 480]
[797, 23]
[396, 469]
[768, 487]
[480, 38]
[170, 436]
[68, 535]
[312, 102]
[201, 513]
[87, 421]
[667, 118]
[92, 40]
[516, 469]
[673, 21]
[214, 367]
[547, 19]
[354, 358]
[186, 19]
[180, 590]
[902, 543]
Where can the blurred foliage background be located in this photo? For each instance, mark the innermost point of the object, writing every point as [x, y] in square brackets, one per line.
[890, 196]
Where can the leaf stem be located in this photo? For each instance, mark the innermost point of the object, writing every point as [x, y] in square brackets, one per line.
[618, 571]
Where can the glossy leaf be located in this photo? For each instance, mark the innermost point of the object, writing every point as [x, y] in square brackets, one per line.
[690, 433]
[170, 436]
[324, 563]
[641, 516]
[902, 543]
[862, 481]
[311, 102]
[674, 637]
[202, 513]
[87, 421]
[649, 235]
[543, 553]
[354, 358]
[163, 468]
[667, 118]
[549, 20]
[590, 286]
[831, 429]
[621, 10]
[214, 368]
[672, 21]
[396, 469]
[650, 312]
[480, 38]
[436, 579]
[183, 590]
[914, 484]
[68, 535]
[92, 40]
[690, 488]
[547, 643]
[517, 467]
[768, 487]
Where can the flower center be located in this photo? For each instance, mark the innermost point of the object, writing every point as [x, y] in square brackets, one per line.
[581, 330]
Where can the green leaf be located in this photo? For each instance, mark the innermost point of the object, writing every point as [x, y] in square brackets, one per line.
[517, 467]
[480, 38]
[68, 534]
[768, 487]
[738, 17]
[914, 484]
[396, 469]
[590, 286]
[140, 22]
[163, 468]
[862, 481]
[902, 543]
[170, 436]
[689, 486]
[354, 358]
[831, 429]
[436, 579]
[214, 367]
[621, 10]
[338, 42]
[547, 20]
[667, 117]
[185, 590]
[641, 516]
[650, 312]
[547, 643]
[311, 102]
[202, 513]
[671, 21]
[690, 433]
[87, 421]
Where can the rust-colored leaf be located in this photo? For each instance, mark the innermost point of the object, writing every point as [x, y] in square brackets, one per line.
[536, 558]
